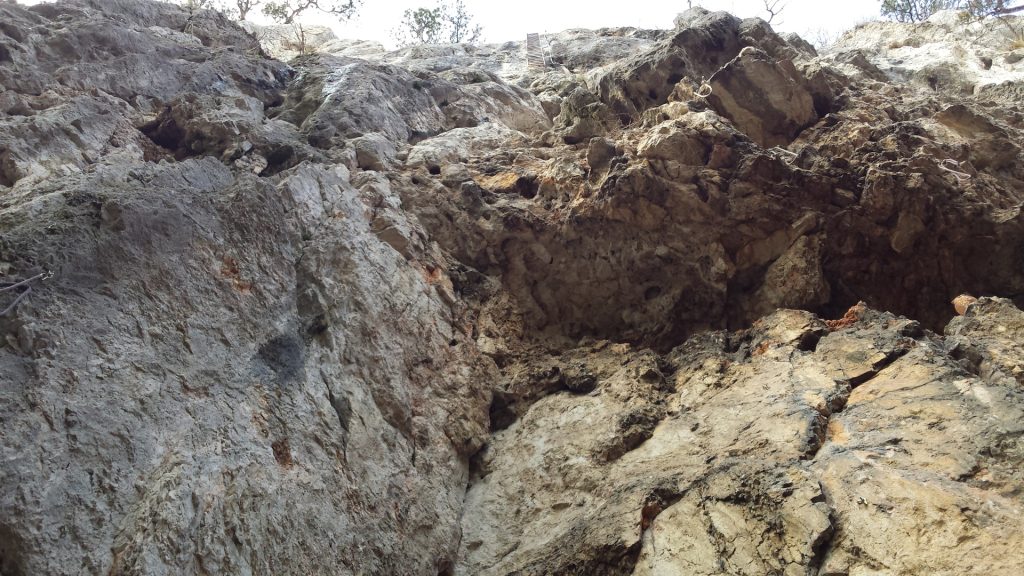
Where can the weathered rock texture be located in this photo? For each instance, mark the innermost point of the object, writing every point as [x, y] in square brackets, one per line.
[429, 312]
[788, 448]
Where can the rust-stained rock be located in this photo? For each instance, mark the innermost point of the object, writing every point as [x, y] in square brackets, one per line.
[961, 302]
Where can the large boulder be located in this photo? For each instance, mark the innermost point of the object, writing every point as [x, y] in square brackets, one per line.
[767, 99]
[583, 116]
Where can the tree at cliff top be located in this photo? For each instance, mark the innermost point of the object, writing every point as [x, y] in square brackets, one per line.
[286, 11]
[243, 7]
[920, 10]
[446, 23]
[773, 8]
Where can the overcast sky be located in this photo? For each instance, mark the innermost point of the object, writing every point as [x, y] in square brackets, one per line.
[512, 19]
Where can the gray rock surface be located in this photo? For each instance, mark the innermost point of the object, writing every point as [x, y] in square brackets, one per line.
[202, 382]
[431, 312]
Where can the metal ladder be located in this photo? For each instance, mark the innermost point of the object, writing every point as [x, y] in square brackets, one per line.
[534, 53]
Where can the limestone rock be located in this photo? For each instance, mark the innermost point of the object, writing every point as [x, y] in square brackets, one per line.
[341, 98]
[768, 100]
[674, 141]
[287, 41]
[995, 355]
[795, 280]
[951, 50]
[759, 462]
[696, 50]
[201, 395]
[685, 18]
[583, 116]
[374, 151]
[430, 311]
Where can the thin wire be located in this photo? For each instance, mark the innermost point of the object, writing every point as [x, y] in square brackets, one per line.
[700, 91]
[16, 300]
[792, 155]
[961, 176]
[46, 275]
[25, 281]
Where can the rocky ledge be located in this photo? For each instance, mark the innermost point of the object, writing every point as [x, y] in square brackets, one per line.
[678, 304]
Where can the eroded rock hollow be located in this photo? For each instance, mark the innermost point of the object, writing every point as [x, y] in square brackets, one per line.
[678, 303]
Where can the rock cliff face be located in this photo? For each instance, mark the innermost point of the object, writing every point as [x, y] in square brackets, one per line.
[432, 312]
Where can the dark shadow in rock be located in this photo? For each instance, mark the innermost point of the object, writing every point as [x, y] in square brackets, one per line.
[8, 172]
[501, 410]
[11, 563]
[285, 355]
[279, 159]
[165, 133]
[527, 186]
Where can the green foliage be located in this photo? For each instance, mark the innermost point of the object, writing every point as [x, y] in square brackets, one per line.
[460, 24]
[197, 5]
[282, 11]
[920, 10]
[286, 11]
[446, 23]
[420, 26]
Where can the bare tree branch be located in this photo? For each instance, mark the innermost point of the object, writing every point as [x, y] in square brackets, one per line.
[773, 8]
[286, 11]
